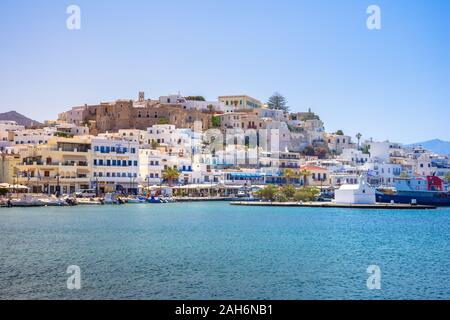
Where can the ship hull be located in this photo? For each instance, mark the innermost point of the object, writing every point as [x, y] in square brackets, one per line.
[432, 199]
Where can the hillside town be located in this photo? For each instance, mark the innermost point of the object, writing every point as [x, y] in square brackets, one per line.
[187, 146]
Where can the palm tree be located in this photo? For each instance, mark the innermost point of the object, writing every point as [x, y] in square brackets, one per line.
[170, 174]
[305, 174]
[290, 174]
[358, 136]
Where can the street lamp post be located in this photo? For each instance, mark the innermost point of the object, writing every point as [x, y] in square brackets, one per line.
[57, 184]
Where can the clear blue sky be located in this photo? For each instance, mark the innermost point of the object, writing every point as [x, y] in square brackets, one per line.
[392, 83]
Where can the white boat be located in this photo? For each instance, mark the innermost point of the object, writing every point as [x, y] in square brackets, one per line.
[53, 202]
[134, 200]
[89, 201]
[111, 198]
[26, 201]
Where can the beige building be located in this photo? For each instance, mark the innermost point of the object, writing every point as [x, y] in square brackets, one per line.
[317, 177]
[240, 120]
[61, 165]
[241, 102]
[8, 164]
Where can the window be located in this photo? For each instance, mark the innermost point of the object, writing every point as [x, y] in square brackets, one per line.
[135, 163]
[95, 162]
[108, 163]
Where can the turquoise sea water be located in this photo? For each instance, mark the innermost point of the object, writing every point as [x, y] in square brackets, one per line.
[218, 251]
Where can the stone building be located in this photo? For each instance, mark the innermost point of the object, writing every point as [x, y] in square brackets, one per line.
[126, 114]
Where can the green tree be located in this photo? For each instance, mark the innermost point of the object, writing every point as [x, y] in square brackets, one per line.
[63, 134]
[163, 120]
[195, 98]
[309, 151]
[306, 194]
[154, 144]
[280, 196]
[215, 121]
[321, 152]
[340, 132]
[269, 192]
[278, 102]
[170, 174]
[288, 191]
[366, 149]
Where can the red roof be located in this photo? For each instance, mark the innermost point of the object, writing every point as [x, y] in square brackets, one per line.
[312, 168]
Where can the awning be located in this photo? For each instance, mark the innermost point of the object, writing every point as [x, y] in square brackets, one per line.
[244, 175]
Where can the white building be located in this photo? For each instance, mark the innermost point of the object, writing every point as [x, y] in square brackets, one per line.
[382, 151]
[115, 165]
[354, 156]
[6, 125]
[34, 136]
[150, 166]
[381, 173]
[360, 193]
[72, 129]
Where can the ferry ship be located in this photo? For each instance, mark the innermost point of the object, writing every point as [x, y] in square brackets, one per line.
[429, 190]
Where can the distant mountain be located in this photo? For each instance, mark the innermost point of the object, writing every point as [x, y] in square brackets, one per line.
[19, 118]
[436, 146]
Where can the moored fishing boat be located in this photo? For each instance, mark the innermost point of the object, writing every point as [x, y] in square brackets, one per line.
[90, 201]
[53, 201]
[112, 198]
[135, 200]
